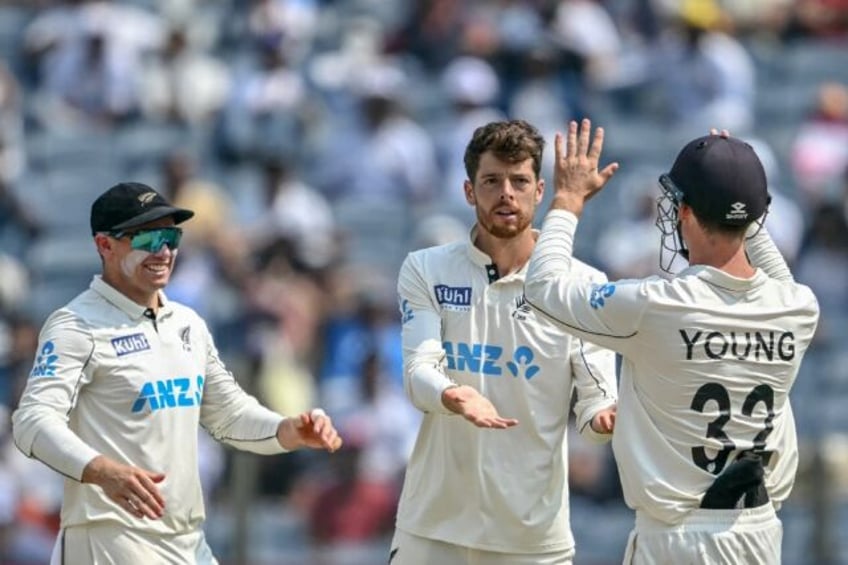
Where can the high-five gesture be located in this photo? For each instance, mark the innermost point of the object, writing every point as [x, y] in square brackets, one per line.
[576, 174]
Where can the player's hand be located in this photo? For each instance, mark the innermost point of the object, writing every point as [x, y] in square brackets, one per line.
[576, 174]
[313, 429]
[476, 408]
[604, 421]
[134, 489]
[723, 133]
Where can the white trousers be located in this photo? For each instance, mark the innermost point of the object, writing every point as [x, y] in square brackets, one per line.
[407, 549]
[115, 544]
[706, 537]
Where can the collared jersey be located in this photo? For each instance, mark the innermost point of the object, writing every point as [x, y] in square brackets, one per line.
[497, 490]
[111, 379]
[708, 360]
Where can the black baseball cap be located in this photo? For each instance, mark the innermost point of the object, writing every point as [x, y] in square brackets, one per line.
[721, 178]
[130, 204]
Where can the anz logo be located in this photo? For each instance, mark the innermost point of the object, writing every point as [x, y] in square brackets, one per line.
[45, 362]
[406, 311]
[490, 360]
[179, 392]
[600, 292]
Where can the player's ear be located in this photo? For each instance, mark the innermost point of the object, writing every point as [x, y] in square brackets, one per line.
[468, 188]
[102, 243]
[540, 190]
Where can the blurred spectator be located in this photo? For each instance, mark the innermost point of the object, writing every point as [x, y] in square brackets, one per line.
[823, 266]
[266, 107]
[385, 154]
[708, 77]
[820, 18]
[820, 150]
[184, 84]
[785, 219]
[296, 212]
[290, 24]
[12, 153]
[471, 87]
[360, 502]
[89, 55]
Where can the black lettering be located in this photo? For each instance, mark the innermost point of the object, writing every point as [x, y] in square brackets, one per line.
[786, 346]
[690, 344]
[733, 349]
[711, 337]
[767, 348]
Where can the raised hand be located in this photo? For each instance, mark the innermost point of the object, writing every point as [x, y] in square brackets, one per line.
[576, 174]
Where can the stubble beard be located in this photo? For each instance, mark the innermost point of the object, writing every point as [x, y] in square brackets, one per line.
[503, 231]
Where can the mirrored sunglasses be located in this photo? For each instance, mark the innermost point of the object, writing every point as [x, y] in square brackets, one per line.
[153, 240]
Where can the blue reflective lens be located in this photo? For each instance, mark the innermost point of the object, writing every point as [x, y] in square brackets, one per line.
[153, 240]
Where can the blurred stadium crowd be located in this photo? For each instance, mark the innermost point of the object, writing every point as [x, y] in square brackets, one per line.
[319, 141]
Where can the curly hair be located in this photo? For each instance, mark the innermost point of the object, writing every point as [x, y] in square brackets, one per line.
[512, 141]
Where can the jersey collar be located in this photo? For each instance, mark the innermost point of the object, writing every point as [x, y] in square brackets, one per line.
[481, 259]
[719, 278]
[118, 299]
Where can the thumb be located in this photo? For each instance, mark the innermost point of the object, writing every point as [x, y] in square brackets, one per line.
[608, 171]
[156, 477]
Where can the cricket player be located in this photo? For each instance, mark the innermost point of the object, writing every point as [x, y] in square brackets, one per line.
[122, 380]
[487, 480]
[705, 438]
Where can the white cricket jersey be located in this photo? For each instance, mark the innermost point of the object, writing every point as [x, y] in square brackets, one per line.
[708, 361]
[497, 490]
[110, 380]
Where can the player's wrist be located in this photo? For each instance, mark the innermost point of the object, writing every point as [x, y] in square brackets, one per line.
[567, 201]
[454, 396]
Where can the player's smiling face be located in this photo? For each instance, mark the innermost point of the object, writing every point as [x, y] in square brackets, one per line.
[504, 195]
[137, 273]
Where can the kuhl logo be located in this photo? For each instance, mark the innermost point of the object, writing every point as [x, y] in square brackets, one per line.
[486, 359]
[453, 295]
[45, 362]
[169, 393]
[600, 292]
[127, 344]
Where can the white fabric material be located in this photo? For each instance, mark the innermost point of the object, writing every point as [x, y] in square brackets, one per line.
[696, 349]
[708, 537]
[109, 381]
[495, 490]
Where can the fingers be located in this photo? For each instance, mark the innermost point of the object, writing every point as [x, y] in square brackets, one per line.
[583, 137]
[493, 422]
[571, 144]
[608, 172]
[323, 430]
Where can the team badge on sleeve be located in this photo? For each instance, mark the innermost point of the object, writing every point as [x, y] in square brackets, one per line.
[406, 311]
[600, 292]
[45, 362]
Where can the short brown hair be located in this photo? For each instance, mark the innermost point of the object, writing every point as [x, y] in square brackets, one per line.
[512, 141]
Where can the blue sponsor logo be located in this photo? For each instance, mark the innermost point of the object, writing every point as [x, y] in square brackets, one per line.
[127, 344]
[169, 393]
[406, 313]
[45, 362]
[488, 359]
[453, 295]
[600, 292]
